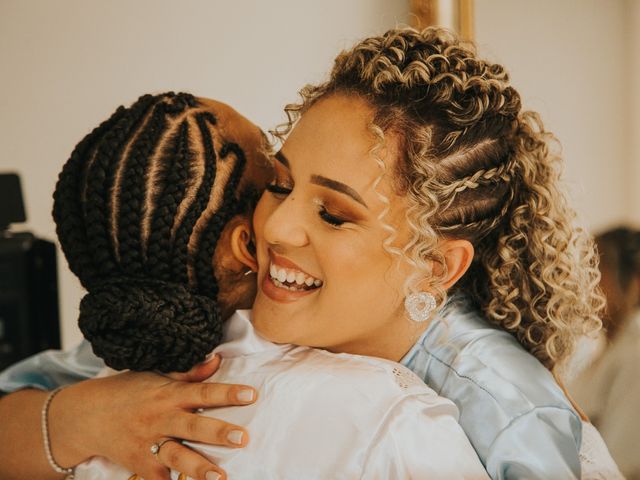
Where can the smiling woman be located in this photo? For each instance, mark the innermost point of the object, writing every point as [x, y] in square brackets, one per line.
[412, 177]
[322, 218]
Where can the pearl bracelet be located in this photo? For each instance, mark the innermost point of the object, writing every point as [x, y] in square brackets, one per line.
[45, 435]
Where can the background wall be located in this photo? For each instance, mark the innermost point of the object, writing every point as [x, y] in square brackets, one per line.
[66, 65]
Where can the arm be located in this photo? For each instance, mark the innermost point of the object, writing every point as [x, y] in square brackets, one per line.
[117, 417]
[534, 446]
[20, 433]
[420, 438]
[52, 368]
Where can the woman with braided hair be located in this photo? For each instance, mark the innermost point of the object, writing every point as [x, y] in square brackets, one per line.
[140, 207]
[417, 216]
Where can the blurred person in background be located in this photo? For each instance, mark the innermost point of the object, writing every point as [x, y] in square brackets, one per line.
[609, 389]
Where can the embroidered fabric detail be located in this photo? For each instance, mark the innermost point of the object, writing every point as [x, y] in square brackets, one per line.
[406, 378]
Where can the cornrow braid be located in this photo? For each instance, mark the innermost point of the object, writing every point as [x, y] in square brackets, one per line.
[183, 235]
[99, 178]
[133, 190]
[229, 206]
[126, 217]
[475, 167]
[68, 212]
[178, 158]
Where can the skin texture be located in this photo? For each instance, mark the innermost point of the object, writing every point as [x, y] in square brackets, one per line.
[359, 308]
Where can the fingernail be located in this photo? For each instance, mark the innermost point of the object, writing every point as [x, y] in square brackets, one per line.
[246, 395]
[212, 476]
[235, 437]
[209, 357]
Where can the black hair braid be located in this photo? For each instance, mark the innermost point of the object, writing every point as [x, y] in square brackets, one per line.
[184, 231]
[133, 190]
[229, 207]
[68, 211]
[174, 184]
[100, 176]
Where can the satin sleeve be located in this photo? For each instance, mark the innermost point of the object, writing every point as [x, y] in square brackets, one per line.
[534, 445]
[421, 438]
[52, 368]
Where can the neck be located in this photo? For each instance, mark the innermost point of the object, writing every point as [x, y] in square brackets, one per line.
[388, 343]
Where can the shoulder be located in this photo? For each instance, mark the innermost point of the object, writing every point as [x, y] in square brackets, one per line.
[374, 376]
[501, 390]
[462, 348]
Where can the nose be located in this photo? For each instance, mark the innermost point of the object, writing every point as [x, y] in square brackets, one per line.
[286, 224]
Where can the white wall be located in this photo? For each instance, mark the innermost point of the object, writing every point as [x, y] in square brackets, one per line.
[65, 65]
[569, 60]
[633, 55]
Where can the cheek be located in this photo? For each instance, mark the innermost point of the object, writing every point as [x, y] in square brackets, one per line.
[360, 273]
[260, 216]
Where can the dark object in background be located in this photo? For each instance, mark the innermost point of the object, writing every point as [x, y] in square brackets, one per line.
[11, 205]
[29, 320]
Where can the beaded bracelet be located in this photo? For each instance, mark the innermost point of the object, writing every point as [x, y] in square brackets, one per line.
[45, 435]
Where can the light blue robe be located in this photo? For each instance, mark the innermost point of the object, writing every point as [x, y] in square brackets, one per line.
[512, 410]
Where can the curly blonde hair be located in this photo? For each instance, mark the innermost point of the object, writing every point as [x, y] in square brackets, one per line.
[475, 167]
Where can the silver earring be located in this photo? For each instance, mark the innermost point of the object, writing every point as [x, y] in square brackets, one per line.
[420, 305]
[248, 272]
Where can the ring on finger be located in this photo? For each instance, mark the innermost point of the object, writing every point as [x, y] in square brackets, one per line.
[155, 448]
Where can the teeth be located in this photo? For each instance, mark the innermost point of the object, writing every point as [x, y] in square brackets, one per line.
[286, 287]
[280, 275]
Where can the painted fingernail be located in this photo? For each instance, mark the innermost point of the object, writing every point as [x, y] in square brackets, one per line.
[212, 476]
[235, 437]
[246, 395]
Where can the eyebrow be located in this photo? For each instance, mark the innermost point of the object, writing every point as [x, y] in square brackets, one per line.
[338, 187]
[326, 182]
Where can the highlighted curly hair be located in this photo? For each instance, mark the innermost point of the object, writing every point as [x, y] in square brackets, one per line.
[475, 167]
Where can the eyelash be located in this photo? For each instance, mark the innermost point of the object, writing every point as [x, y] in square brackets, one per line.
[279, 191]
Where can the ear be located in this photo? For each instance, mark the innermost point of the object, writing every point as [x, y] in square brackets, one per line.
[458, 255]
[242, 246]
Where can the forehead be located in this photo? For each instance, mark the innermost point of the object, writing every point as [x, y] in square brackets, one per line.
[334, 139]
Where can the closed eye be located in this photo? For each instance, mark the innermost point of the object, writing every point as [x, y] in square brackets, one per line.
[278, 191]
[330, 219]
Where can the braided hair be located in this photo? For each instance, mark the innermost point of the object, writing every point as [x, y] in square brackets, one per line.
[473, 166]
[139, 208]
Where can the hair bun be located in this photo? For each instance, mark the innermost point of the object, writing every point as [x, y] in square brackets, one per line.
[149, 325]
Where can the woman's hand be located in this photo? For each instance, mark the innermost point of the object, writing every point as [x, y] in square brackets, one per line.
[120, 417]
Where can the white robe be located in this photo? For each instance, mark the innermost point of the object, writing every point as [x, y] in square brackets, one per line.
[324, 416]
